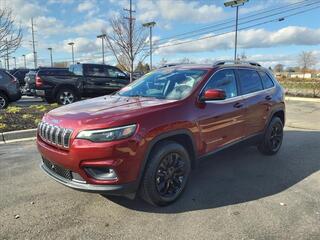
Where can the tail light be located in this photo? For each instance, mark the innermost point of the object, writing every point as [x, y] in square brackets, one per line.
[14, 80]
[38, 81]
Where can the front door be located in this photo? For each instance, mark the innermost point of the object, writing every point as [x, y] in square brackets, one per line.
[222, 121]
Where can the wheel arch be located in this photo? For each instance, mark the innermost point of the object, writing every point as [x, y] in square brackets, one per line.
[182, 136]
[62, 86]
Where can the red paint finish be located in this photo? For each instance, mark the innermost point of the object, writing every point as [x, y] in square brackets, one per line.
[211, 125]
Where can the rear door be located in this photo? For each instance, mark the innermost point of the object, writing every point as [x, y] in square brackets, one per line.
[222, 121]
[252, 90]
[96, 80]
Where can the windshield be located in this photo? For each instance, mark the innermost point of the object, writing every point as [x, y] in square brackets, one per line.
[172, 84]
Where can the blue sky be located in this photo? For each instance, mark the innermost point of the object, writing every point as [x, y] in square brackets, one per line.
[60, 21]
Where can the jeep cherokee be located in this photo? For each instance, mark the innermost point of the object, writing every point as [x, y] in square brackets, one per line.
[148, 136]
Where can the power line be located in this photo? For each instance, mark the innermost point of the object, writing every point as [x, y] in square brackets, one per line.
[244, 28]
[212, 27]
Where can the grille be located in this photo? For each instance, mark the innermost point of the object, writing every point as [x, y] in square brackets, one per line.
[65, 173]
[55, 135]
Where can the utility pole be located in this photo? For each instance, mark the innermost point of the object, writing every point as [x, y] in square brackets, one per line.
[50, 50]
[7, 55]
[24, 59]
[102, 36]
[15, 62]
[236, 4]
[150, 25]
[130, 18]
[33, 46]
[71, 44]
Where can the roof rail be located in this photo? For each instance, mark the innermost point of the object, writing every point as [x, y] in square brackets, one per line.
[223, 62]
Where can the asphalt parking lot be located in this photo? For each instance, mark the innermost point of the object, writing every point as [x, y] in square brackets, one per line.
[237, 194]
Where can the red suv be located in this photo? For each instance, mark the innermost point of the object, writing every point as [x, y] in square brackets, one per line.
[149, 135]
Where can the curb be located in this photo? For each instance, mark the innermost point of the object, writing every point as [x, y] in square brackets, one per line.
[302, 99]
[20, 135]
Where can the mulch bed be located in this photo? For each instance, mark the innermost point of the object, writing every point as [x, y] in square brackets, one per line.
[20, 118]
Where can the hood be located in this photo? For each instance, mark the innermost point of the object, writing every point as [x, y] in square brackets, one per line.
[104, 109]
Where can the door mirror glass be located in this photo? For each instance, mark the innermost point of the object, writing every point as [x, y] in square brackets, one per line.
[213, 94]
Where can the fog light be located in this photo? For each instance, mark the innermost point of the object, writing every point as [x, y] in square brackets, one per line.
[101, 173]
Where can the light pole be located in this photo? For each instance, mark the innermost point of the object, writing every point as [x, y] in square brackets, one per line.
[25, 62]
[50, 50]
[15, 62]
[150, 25]
[236, 4]
[71, 44]
[102, 36]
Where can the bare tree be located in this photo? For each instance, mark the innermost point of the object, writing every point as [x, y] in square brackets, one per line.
[10, 35]
[278, 68]
[307, 60]
[118, 41]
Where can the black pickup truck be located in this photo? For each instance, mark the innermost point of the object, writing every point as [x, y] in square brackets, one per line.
[81, 80]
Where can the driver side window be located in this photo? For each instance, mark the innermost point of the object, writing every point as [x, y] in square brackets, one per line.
[224, 80]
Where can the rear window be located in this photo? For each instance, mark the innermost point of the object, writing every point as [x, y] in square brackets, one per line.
[266, 80]
[250, 81]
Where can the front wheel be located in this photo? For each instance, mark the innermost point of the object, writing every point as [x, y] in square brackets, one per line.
[66, 96]
[3, 101]
[166, 174]
[272, 139]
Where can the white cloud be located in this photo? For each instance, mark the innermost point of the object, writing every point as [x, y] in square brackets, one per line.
[90, 27]
[253, 38]
[24, 10]
[60, 1]
[86, 6]
[189, 11]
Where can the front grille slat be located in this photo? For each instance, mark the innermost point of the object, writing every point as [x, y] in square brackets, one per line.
[55, 135]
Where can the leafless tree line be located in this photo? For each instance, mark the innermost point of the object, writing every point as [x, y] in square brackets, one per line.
[10, 35]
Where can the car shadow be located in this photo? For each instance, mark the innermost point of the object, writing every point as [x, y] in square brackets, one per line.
[241, 174]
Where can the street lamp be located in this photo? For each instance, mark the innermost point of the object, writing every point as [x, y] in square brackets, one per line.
[236, 4]
[102, 36]
[71, 44]
[150, 25]
[25, 62]
[15, 62]
[50, 50]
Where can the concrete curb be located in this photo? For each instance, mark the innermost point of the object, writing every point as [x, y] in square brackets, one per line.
[303, 99]
[20, 135]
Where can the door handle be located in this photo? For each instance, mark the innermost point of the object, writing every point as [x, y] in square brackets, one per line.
[238, 105]
[268, 97]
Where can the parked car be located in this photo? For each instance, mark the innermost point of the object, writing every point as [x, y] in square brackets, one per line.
[148, 136]
[20, 74]
[82, 80]
[9, 89]
[99, 79]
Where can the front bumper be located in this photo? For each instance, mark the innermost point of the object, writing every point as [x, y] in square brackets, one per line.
[119, 189]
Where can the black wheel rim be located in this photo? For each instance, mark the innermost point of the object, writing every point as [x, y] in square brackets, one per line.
[276, 137]
[2, 102]
[171, 175]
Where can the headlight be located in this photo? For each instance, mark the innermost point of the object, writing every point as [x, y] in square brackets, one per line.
[109, 134]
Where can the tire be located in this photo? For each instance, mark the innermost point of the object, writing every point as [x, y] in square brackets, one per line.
[272, 138]
[166, 174]
[66, 96]
[4, 101]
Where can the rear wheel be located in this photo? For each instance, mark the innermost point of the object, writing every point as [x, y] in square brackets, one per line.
[166, 174]
[272, 139]
[3, 101]
[66, 96]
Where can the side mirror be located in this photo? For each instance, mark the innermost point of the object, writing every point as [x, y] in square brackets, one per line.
[213, 94]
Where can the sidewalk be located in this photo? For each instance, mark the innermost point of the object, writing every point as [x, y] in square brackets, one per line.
[303, 99]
